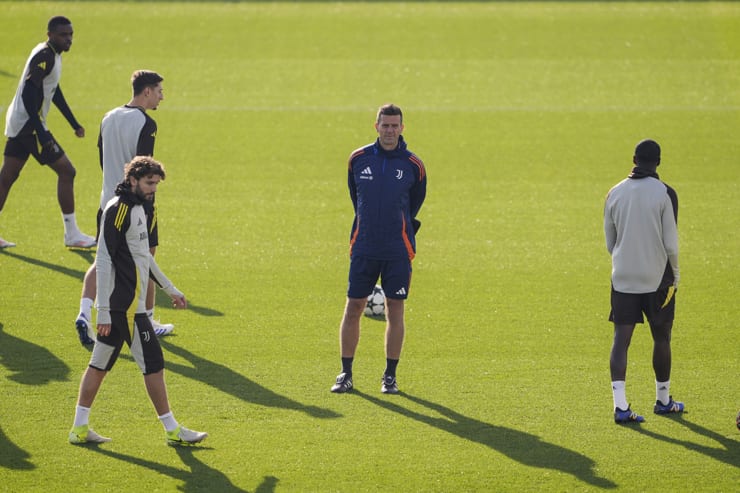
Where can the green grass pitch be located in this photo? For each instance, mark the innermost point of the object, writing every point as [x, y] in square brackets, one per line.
[525, 114]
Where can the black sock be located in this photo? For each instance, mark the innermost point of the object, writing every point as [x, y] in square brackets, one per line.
[390, 368]
[347, 365]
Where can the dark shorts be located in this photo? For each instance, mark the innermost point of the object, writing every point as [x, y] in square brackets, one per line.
[151, 219]
[395, 276]
[24, 145]
[142, 340]
[659, 307]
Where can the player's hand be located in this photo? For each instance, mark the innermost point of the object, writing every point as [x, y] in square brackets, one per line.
[46, 140]
[80, 132]
[103, 329]
[50, 146]
[179, 301]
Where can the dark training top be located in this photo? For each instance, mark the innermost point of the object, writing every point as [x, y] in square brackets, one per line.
[387, 189]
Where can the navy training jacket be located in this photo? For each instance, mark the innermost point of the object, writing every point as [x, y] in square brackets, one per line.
[387, 189]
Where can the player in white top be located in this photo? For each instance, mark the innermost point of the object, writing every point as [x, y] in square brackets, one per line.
[125, 132]
[28, 135]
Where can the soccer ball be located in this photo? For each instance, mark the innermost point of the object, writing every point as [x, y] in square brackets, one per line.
[375, 306]
[737, 420]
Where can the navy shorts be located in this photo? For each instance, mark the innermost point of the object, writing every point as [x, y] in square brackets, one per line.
[659, 307]
[395, 277]
[24, 145]
[142, 340]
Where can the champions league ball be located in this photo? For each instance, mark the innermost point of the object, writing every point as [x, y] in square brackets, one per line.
[375, 303]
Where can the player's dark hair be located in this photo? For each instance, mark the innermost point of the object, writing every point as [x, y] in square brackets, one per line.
[389, 109]
[142, 166]
[57, 21]
[647, 153]
[141, 79]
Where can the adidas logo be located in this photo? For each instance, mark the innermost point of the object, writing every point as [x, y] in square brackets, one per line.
[366, 174]
[401, 291]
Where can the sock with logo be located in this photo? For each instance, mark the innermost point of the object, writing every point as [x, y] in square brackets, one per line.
[169, 422]
[86, 305]
[347, 365]
[662, 391]
[82, 416]
[70, 225]
[620, 395]
[390, 367]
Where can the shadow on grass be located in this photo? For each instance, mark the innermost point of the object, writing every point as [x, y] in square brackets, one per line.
[12, 456]
[522, 447]
[28, 363]
[729, 453]
[200, 477]
[77, 274]
[232, 383]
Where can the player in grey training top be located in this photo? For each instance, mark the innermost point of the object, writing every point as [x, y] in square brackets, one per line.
[640, 218]
[126, 132]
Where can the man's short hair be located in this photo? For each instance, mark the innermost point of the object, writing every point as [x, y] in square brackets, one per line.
[141, 79]
[57, 21]
[647, 153]
[142, 166]
[389, 109]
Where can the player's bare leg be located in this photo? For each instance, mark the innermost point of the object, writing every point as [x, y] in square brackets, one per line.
[9, 173]
[395, 328]
[349, 330]
[83, 322]
[349, 338]
[662, 351]
[157, 391]
[65, 183]
[394, 333]
[89, 386]
[66, 173]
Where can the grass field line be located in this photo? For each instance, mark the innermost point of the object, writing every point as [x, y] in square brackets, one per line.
[456, 109]
[437, 109]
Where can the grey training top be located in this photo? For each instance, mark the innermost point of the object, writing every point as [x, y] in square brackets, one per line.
[641, 234]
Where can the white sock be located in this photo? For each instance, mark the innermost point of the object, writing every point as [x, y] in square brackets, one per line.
[86, 305]
[169, 422]
[620, 395]
[70, 225]
[82, 416]
[662, 391]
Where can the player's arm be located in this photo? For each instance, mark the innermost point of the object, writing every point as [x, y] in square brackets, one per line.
[100, 147]
[31, 97]
[670, 234]
[418, 192]
[33, 93]
[610, 229]
[145, 144]
[156, 275]
[352, 186]
[64, 108]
